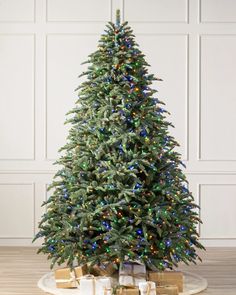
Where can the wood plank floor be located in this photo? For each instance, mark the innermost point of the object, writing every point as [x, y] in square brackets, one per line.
[21, 267]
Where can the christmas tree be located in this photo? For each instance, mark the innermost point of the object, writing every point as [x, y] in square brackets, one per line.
[120, 193]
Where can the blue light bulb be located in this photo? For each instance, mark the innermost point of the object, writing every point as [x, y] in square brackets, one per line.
[143, 132]
[168, 243]
[139, 231]
[138, 185]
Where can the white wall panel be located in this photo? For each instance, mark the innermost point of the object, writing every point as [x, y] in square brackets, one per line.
[17, 97]
[16, 210]
[218, 11]
[78, 10]
[17, 11]
[218, 203]
[168, 57]
[217, 107]
[156, 10]
[65, 53]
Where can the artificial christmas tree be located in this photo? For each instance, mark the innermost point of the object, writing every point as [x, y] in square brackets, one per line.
[120, 194]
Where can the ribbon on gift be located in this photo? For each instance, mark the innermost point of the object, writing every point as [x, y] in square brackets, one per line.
[147, 288]
[120, 289]
[107, 291]
[71, 279]
[160, 275]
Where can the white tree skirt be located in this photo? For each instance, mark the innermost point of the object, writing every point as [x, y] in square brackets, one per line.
[193, 284]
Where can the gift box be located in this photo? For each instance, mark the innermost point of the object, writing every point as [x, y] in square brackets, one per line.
[131, 274]
[65, 278]
[106, 269]
[69, 278]
[167, 278]
[102, 286]
[91, 285]
[127, 291]
[80, 270]
[147, 288]
[167, 290]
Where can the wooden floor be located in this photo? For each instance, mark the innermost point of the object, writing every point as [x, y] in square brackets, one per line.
[21, 267]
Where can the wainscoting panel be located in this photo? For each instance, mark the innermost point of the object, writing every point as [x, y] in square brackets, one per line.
[221, 11]
[17, 97]
[217, 97]
[17, 210]
[17, 11]
[156, 11]
[78, 10]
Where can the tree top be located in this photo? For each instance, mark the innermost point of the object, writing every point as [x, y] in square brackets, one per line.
[118, 17]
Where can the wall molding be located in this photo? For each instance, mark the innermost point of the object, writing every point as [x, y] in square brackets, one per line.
[210, 22]
[80, 21]
[9, 22]
[123, 8]
[33, 96]
[200, 99]
[199, 188]
[32, 184]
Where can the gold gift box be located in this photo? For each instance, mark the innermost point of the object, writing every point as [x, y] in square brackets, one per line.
[65, 278]
[127, 291]
[68, 278]
[163, 278]
[103, 270]
[81, 270]
[167, 290]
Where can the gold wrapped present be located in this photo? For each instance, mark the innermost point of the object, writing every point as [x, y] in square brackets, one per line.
[69, 278]
[127, 291]
[80, 270]
[163, 278]
[167, 290]
[65, 278]
[106, 269]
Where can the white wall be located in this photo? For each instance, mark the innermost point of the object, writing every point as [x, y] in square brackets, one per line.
[190, 44]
